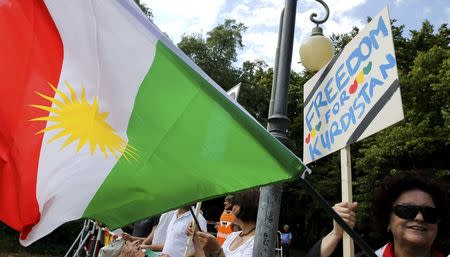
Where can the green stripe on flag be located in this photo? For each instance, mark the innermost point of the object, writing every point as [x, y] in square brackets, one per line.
[193, 144]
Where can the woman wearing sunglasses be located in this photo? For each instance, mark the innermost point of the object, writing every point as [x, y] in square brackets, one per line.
[410, 210]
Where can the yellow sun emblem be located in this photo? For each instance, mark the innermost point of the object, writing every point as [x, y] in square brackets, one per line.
[79, 120]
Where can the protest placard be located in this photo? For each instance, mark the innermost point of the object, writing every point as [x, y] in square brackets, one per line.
[356, 95]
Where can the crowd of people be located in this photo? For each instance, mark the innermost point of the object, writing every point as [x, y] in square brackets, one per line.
[410, 211]
[169, 235]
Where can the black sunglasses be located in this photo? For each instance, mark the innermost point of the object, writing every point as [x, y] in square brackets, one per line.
[409, 212]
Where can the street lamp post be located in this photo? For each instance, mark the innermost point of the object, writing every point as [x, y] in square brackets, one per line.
[270, 196]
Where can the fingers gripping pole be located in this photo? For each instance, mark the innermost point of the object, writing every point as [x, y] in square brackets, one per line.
[196, 227]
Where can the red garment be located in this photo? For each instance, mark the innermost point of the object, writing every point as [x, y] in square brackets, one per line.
[389, 251]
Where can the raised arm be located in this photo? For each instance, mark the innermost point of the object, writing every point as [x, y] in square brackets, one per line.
[327, 245]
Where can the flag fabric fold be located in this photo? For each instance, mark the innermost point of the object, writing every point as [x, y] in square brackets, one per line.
[104, 118]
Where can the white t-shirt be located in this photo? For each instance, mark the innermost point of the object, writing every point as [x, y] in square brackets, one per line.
[176, 239]
[245, 250]
[161, 230]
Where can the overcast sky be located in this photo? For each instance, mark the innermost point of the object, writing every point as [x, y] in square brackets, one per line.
[176, 17]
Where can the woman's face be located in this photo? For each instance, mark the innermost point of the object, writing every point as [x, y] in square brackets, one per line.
[416, 232]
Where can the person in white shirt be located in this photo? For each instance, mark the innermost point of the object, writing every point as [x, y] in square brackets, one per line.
[176, 238]
[154, 241]
[161, 230]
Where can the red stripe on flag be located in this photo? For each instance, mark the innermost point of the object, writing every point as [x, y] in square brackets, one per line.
[31, 55]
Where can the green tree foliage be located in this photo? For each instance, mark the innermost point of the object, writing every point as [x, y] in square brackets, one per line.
[256, 84]
[217, 53]
[145, 9]
[341, 40]
[423, 136]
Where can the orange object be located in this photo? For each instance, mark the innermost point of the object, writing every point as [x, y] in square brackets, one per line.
[225, 226]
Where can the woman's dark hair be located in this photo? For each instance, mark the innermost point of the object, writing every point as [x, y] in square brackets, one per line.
[248, 203]
[390, 188]
[229, 198]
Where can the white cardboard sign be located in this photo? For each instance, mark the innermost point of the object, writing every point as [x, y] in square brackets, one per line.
[356, 95]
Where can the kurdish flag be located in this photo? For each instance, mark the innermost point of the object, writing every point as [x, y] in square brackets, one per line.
[102, 117]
